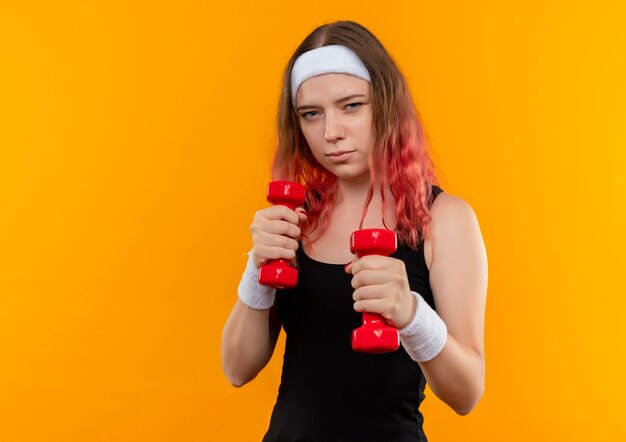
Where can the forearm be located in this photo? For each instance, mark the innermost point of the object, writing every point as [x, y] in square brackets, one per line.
[456, 375]
[247, 343]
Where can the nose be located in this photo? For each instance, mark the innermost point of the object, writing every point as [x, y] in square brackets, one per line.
[334, 129]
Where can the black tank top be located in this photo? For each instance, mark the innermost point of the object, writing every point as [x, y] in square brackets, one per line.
[328, 392]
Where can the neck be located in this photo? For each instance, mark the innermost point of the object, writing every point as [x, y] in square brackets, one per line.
[351, 193]
[350, 199]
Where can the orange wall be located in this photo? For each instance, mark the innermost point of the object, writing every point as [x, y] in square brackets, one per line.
[135, 139]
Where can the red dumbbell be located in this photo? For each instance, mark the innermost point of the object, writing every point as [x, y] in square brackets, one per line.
[375, 335]
[278, 273]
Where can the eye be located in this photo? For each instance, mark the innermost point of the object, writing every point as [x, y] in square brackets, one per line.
[307, 115]
[354, 104]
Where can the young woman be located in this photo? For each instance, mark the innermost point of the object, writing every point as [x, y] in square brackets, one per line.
[349, 131]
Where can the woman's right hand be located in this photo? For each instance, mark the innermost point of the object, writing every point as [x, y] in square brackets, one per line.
[275, 232]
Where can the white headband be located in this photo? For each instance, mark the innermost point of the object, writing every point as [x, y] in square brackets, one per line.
[336, 59]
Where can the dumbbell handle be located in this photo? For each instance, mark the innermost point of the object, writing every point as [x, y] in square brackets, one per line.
[278, 273]
[372, 319]
[375, 335]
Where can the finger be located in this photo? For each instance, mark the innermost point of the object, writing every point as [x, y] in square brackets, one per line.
[348, 267]
[369, 292]
[280, 241]
[302, 215]
[301, 218]
[371, 306]
[280, 227]
[368, 277]
[278, 212]
[371, 262]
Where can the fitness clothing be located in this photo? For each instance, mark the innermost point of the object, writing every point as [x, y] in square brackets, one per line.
[328, 392]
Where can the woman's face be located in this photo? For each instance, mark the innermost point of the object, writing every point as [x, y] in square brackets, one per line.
[335, 115]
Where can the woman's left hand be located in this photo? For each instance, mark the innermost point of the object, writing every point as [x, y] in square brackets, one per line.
[382, 287]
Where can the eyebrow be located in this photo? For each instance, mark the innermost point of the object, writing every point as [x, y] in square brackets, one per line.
[349, 97]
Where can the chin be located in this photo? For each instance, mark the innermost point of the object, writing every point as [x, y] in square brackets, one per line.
[355, 176]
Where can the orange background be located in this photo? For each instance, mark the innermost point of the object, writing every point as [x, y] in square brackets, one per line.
[135, 142]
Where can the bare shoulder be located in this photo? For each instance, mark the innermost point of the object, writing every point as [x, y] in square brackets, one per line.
[450, 216]
[448, 209]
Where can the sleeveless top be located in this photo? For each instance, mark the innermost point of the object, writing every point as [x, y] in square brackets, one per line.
[328, 392]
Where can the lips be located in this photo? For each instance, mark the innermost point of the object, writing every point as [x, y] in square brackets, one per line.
[337, 153]
[340, 156]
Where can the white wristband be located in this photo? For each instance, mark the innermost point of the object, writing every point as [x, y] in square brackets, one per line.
[254, 295]
[424, 337]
